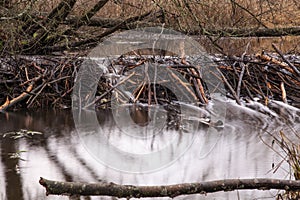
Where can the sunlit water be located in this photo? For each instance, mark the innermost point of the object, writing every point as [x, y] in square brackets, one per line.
[61, 153]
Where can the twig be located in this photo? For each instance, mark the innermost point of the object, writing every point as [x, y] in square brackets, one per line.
[238, 90]
[249, 12]
[230, 88]
[242, 72]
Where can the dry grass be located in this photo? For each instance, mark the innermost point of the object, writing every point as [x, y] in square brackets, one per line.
[289, 146]
[291, 150]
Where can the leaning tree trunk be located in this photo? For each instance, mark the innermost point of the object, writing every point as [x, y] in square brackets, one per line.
[45, 33]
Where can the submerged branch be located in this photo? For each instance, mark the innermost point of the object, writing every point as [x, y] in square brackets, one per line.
[131, 191]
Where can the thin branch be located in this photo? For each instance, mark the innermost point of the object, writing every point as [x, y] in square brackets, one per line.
[250, 13]
[230, 88]
[242, 72]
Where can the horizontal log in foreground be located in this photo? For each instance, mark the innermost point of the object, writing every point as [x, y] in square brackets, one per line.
[131, 191]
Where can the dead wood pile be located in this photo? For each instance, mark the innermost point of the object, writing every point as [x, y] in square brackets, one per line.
[37, 82]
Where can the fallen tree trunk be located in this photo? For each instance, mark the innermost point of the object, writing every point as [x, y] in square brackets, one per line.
[142, 21]
[249, 32]
[92, 42]
[131, 191]
[223, 32]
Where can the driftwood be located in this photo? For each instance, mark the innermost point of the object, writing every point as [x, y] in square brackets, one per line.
[57, 27]
[131, 191]
[286, 60]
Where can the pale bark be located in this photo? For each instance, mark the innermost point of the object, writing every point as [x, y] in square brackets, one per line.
[131, 191]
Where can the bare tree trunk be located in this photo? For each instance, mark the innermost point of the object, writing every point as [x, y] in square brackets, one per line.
[84, 20]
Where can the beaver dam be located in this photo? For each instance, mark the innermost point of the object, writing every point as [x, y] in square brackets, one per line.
[182, 109]
[105, 92]
[42, 82]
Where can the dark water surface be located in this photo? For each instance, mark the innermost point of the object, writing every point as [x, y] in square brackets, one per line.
[61, 153]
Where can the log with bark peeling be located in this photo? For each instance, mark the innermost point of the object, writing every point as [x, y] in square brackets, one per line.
[131, 191]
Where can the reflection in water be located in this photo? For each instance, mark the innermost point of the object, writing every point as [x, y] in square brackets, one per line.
[59, 154]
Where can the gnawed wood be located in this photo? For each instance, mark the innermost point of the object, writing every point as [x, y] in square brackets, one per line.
[8, 103]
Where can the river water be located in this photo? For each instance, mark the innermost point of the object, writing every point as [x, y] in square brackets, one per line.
[62, 151]
[65, 149]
